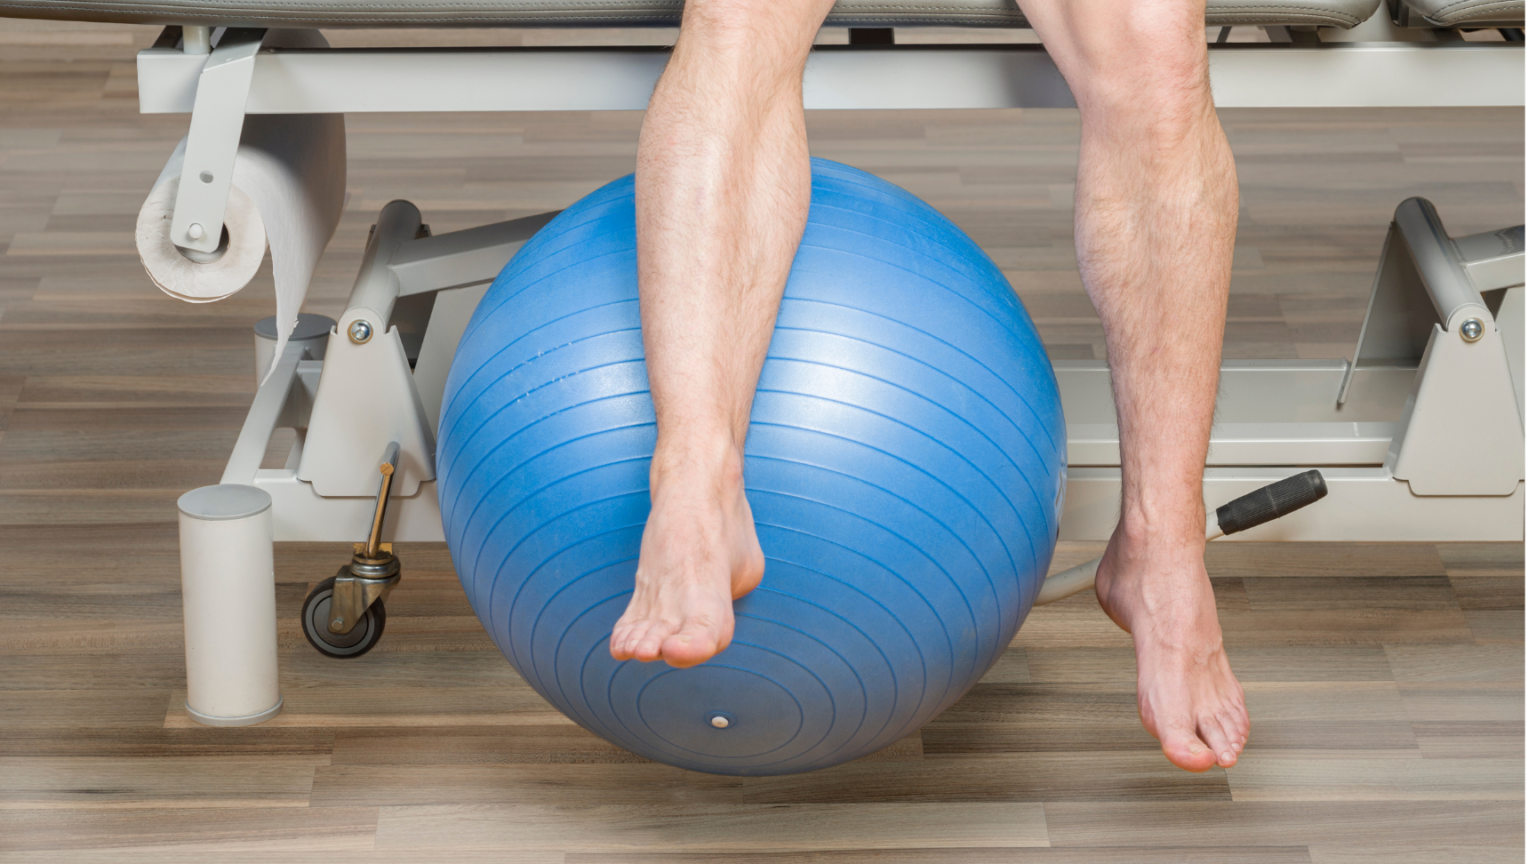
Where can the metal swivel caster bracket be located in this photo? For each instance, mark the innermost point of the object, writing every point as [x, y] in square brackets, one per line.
[344, 615]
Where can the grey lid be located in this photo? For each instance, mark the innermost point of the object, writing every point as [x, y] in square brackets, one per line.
[224, 502]
[309, 327]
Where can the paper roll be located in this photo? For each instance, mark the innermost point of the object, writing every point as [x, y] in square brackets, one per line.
[287, 192]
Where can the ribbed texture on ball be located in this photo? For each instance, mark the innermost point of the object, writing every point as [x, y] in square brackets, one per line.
[904, 465]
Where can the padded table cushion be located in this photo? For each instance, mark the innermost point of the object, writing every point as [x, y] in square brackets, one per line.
[613, 13]
[1471, 13]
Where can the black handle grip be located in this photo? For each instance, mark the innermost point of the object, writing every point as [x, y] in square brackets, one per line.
[1271, 502]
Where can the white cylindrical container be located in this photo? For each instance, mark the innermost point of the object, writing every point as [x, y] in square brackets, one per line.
[229, 605]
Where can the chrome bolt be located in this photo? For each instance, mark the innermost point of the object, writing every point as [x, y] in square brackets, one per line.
[360, 331]
[719, 721]
[1472, 329]
[338, 622]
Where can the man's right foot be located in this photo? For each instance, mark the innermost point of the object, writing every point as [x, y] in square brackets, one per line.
[699, 552]
[1186, 692]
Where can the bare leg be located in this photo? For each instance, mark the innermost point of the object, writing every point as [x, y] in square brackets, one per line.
[722, 191]
[1155, 226]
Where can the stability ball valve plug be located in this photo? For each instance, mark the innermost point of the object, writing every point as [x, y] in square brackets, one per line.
[1472, 329]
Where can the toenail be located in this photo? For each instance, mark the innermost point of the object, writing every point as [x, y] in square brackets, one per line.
[1226, 757]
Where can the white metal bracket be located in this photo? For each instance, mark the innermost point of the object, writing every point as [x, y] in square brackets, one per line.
[218, 117]
[1462, 429]
[365, 401]
[1424, 279]
[366, 398]
[1460, 433]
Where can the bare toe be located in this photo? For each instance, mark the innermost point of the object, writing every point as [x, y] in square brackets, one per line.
[648, 643]
[1185, 749]
[698, 640]
[622, 643]
[1216, 738]
[1233, 727]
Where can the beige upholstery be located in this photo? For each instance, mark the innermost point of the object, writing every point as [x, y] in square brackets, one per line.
[1470, 13]
[613, 13]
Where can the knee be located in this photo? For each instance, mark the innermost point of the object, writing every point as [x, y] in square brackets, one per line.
[1147, 60]
[724, 20]
[754, 29]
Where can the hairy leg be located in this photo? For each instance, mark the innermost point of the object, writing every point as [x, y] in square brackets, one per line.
[722, 189]
[1156, 219]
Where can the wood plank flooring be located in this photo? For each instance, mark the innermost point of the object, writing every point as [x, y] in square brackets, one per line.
[1385, 681]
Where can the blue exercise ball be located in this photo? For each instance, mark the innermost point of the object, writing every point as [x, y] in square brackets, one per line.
[905, 465]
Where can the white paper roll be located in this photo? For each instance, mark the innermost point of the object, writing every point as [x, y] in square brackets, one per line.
[288, 190]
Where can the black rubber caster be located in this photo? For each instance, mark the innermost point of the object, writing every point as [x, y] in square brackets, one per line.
[354, 643]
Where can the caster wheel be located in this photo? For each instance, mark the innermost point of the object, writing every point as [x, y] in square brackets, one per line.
[354, 643]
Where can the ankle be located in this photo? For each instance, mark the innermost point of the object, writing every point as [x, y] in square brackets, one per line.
[1159, 543]
[698, 468]
[1167, 524]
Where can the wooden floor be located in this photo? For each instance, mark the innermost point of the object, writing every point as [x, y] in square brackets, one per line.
[1384, 681]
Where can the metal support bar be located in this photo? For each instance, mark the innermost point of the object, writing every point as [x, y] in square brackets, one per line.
[300, 513]
[218, 116]
[1439, 263]
[377, 287]
[460, 259]
[1331, 74]
[1494, 259]
[1269, 412]
[266, 411]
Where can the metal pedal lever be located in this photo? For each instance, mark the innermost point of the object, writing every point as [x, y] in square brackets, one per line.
[1248, 511]
[374, 570]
